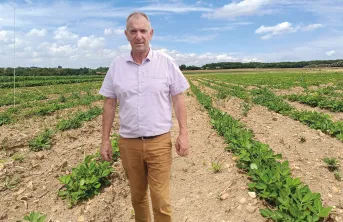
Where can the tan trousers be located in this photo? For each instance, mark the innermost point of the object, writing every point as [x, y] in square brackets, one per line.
[148, 162]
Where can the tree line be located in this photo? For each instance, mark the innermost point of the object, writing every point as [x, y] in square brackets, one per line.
[36, 71]
[256, 65]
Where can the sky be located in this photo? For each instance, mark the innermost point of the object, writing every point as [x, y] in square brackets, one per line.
[74, 34]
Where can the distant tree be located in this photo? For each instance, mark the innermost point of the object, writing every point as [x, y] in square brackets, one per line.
[60, 67]
[183, 67]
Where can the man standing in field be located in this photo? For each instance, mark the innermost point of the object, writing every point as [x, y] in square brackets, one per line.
[145, 83]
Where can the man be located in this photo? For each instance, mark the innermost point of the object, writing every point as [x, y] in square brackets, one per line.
[146, 84]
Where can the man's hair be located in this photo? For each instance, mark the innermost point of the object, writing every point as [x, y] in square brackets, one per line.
[136, 15]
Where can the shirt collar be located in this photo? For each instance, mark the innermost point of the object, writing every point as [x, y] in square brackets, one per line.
[149, 56]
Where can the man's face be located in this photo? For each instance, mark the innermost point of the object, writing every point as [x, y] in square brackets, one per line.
[139, 34]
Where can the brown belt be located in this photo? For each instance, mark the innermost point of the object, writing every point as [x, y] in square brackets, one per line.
[148, 137]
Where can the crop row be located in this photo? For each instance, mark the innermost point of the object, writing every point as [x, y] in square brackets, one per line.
[14, 114]
[4, 79]
[27, 94]
[315, 100]
[280, 80]
[287, 199]
[315, 120]
[48, 82]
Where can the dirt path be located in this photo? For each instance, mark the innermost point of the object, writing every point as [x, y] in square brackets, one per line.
[284, 136]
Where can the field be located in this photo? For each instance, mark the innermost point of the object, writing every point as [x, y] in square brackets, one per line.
[265, 145]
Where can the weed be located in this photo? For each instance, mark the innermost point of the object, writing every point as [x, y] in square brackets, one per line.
[245, 108]
[42, 141]
[18, 157]
[332, 163]
[11, 182]
[62, 99]
[338, 175]
[216, 167]
[35, 217]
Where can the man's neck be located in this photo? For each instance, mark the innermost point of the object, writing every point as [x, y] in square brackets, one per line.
[139, 56]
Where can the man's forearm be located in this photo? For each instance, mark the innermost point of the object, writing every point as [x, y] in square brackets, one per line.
[181, 112]
[108, 117]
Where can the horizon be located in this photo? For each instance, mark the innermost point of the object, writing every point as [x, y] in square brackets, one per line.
[192, 32]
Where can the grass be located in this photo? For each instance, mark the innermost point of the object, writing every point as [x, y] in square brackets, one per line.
[216, 167]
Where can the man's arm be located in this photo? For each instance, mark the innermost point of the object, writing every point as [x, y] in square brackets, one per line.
[108, 115]
[181, 144]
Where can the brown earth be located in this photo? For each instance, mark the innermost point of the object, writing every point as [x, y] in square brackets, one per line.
[194, 191]
[286, 136]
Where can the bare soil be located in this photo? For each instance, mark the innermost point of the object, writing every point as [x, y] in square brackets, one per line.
[286, 136]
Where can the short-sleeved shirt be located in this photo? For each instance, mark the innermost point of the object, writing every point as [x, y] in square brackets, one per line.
[144, 93]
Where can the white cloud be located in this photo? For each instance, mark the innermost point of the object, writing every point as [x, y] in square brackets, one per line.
[4, 35]
[312, 27]
[63, 34]
[37, 32]
[237, 9]
[330, 53]
[91, 42]
[278, 29]
[185, 38]
[110, 31]
[204, 58]
[28, 1]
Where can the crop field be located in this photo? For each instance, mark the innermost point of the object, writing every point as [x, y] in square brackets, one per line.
[266, 145]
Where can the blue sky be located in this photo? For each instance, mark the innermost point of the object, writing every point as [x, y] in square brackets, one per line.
[90, 33]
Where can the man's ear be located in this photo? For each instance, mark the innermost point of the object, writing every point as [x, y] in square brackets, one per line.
[126, 33]
[152, 32]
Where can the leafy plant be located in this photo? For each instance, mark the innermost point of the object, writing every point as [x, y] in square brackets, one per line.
[115, 147]
[35, 217]
[289, 199]
[245, 108]
[85, 180]
[76, 120]
[42, 141]
[332, 163]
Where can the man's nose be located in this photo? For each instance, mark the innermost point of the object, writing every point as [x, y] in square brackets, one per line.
[139, 35]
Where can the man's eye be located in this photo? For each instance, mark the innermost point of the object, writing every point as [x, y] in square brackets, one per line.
[133, 31]
[144, 31]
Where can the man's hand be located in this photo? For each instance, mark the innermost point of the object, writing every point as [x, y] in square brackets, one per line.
[181, 145]
[106, 150]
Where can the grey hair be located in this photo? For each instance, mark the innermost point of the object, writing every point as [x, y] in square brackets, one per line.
[136, 15]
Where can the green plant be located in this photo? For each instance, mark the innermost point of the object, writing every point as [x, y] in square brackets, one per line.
[11, 182]
[42, 141]
[62, 99]
[35, 217]
[245, 108]
[216, 167]
[18, 157]
[76, 120]
[289, 199]
[85, 180]
[332, 163]
[338, 175]
[115, 147]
